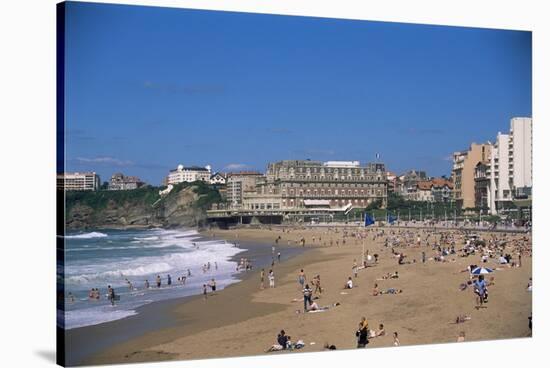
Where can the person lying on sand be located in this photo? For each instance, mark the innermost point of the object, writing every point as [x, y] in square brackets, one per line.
[462, 318]
[315, 307]
[387, 276]
[391, 291]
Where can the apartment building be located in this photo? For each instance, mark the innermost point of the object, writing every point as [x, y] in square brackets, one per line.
[238, 183]
[78, 181]
[463, 172]
[120, 181]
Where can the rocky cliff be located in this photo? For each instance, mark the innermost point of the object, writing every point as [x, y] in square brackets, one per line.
[185, 205]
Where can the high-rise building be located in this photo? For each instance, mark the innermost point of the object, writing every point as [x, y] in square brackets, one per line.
[78, 181]
[521, 146]
[511, 165]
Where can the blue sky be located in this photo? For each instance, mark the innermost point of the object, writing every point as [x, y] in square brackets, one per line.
[148, 88]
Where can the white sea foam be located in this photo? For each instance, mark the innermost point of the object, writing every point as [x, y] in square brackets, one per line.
[159, 252]
[146, 238]
[94, 316]
[91, 235]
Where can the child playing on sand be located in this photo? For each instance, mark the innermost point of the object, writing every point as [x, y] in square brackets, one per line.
[396, 339]
[349, 284]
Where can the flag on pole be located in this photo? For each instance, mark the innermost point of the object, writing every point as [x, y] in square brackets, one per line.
[368, 220]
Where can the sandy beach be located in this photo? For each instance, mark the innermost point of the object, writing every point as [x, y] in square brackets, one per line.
[244, 319]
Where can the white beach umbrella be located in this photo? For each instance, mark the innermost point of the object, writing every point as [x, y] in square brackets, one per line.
[481, 271]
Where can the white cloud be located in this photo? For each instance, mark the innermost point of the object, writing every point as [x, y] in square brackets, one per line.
[235, 166]
[106, 160]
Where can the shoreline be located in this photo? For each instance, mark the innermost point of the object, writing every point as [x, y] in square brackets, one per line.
[422, 314]
[85, 342]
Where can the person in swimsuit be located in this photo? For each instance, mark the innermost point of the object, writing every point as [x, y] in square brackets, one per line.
[262, 276]
[301, 278]
[213, 285]
[111, 295]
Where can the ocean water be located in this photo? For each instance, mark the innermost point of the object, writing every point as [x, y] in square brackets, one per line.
[96, 259]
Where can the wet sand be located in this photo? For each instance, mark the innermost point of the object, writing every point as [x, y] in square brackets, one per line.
[244, 320]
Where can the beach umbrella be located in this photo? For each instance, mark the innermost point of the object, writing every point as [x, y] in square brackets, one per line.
[481, 271]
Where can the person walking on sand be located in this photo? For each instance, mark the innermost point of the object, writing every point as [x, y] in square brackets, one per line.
[354, 268]
[204, 291]
[271, 278]
[362, 335]
[302, 278]
[480, 290]
[307, 297]
[317, 284]
[262, 276]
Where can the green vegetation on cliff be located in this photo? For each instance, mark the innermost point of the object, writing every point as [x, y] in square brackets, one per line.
[146, 195]
[185, 205]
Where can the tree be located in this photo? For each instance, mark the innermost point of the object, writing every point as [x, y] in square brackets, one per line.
[374, 205]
